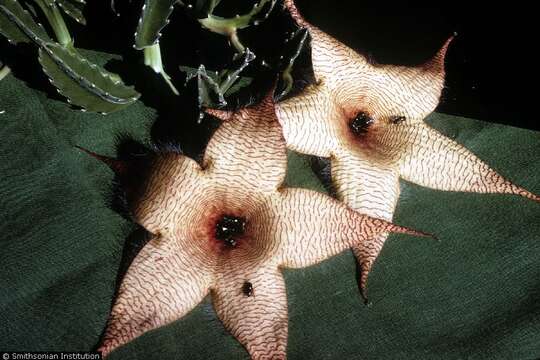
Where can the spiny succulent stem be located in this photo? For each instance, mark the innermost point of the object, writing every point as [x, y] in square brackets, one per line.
[230, 26]
[235, 41]
[152, 58]
[4, 71]
[57, 23]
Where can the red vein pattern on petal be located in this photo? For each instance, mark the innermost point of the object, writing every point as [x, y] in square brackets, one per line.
[368, 118]
[228, 226]
[431, 159]
[310, 227]
[307, 124]
[174, 179]
[162, 284]
[257, 319]
[370, 190]
[249, 151]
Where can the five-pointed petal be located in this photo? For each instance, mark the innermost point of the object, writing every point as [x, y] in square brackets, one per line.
[368, 119]
[225, 228]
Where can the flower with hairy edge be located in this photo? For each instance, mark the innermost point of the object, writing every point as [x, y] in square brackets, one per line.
[226, 227]
[368, 119]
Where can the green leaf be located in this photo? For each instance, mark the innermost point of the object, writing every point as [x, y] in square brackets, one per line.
[17, 25]
[83, 83]
[154, 17]
[73, 8]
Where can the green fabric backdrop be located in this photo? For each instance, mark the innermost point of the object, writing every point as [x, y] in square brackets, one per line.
[475, 294]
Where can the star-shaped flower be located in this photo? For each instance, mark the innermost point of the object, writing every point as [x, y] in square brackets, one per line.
[226, 228]
[368, 119]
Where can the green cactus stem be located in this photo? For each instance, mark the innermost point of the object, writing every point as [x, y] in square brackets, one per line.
[154, 17]
[53, 15]
[18, 26]
[82, 82]
[230, 26]
[152, 58]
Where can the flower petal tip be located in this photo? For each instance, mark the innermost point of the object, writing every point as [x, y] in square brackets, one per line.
[295, 14]
[527, 194]
[507, 187]
[436, 63]
[224, 115]
[116, 165]
[408, 231]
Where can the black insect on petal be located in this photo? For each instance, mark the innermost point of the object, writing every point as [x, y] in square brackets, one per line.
[397, 119]
[247, 289]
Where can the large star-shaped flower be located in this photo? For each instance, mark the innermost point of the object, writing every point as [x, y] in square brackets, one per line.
[368, 119]
[226, 228]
